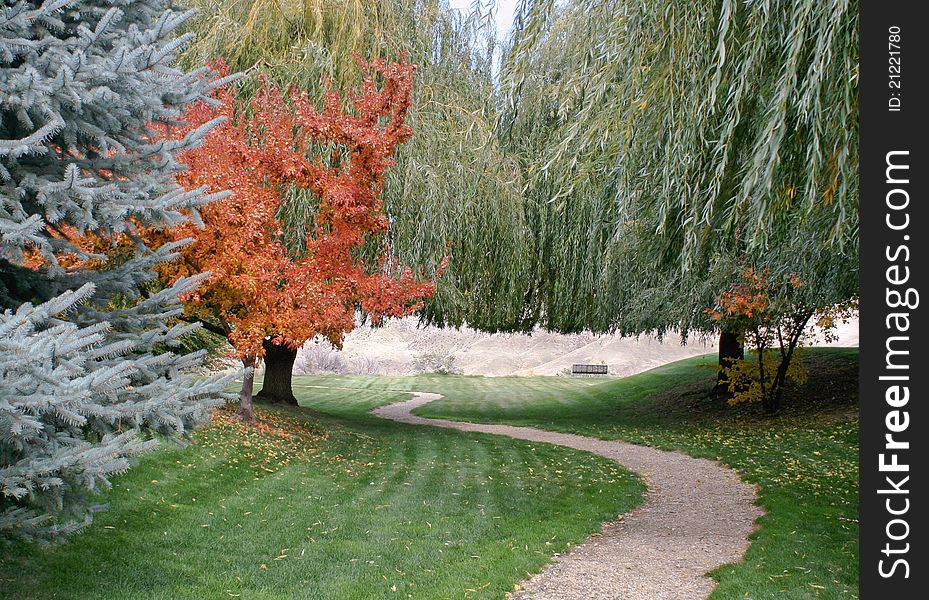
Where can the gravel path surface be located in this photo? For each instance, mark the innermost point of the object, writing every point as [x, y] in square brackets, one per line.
[697, 515]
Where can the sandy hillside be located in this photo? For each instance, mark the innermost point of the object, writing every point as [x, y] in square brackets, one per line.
[402, 347]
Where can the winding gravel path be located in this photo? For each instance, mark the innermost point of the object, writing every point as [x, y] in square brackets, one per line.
[697, 515]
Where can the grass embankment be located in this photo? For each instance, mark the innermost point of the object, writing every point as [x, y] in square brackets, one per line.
[328, 503]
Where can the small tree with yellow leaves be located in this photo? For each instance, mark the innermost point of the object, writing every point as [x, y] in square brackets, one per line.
[777, 320]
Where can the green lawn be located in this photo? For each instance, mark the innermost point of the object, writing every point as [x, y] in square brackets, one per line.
[805, 460]
[358, 507]
[329, 503]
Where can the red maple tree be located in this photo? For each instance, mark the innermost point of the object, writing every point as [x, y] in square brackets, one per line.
[267, 299]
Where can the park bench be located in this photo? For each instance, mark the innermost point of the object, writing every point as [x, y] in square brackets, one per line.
[589, 369]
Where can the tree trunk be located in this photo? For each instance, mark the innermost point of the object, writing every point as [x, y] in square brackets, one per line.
[777, 386]
[279, 370]
[246, 412]
[787, 354]
[730, 351]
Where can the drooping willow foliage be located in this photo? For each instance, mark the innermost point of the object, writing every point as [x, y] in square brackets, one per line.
[624, 165]
[666, 143]
[453, 191]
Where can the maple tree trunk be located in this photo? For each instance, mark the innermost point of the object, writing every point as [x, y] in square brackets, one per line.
[787, 355]
[279, 371]
[777, 387]
[246, 411]
[730, 351]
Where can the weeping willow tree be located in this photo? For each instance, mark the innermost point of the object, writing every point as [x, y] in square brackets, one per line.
[667, 144]
[453, 192]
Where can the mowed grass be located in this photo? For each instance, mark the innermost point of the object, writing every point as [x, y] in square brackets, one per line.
[805, 460]
[328, 502]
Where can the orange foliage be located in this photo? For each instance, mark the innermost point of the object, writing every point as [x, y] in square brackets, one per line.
[748, 299]
[772, 315]
[256, 287]
[91, 244]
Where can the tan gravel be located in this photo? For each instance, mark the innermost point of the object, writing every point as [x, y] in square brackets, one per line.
[697, 515]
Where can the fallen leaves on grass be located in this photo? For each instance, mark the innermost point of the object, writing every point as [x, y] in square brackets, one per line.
[280, 439]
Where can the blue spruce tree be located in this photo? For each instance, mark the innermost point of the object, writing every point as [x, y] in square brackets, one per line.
[87, 375]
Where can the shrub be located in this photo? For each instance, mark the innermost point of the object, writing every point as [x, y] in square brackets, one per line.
[436, 362]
